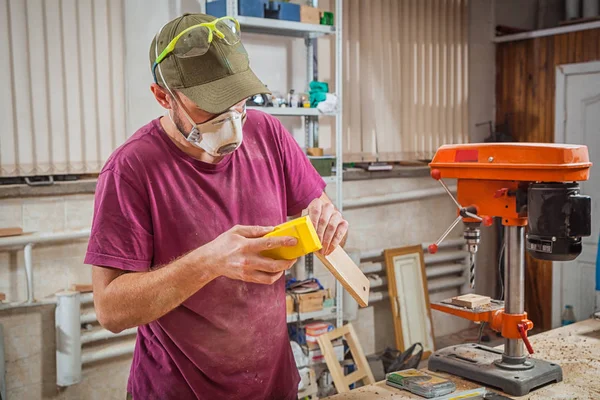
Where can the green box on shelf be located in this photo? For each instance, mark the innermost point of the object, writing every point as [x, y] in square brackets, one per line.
[323, 164]
[326, 18]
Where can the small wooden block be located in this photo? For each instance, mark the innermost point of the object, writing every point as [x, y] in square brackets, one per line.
[13, 231]
[81, 287]
[347, 272]
[2, 297]
[315, 151]
[471, 300]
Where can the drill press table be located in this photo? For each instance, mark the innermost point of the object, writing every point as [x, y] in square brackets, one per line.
[576, 348]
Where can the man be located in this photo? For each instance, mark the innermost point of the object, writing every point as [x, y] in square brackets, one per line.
[180, 213]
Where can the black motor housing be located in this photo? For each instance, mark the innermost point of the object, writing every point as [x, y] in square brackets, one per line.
[558, 217]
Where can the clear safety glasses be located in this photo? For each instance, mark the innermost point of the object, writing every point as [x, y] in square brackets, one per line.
[195, 40]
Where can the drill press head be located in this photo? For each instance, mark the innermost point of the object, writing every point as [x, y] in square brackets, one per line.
[521, 184]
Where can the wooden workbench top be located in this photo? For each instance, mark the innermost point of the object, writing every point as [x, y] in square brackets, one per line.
[576, 348]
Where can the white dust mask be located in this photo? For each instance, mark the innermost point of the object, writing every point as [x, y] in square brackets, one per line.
[219, 136]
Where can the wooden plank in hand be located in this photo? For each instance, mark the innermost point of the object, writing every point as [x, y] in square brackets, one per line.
[347, 272]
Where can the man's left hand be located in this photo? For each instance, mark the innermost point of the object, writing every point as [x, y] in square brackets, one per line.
[330, 225]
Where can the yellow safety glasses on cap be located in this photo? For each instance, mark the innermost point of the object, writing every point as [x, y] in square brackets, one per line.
[195, 40]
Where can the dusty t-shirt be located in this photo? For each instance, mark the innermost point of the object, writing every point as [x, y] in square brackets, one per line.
[153, 204]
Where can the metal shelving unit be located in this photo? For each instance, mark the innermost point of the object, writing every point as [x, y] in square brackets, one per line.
[291, 112]
[309, 32]
[327, 312]
[281, 27]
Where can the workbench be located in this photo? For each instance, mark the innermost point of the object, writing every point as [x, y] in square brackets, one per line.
[576, 348]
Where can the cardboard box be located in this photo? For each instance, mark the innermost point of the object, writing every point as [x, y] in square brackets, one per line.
[289, 304]
[309, 302]
[310, 15]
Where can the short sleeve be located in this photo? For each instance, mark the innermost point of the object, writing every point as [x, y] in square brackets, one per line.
[303, 182]
[121, 235]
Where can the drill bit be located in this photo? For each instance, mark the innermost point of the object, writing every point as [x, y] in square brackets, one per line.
[472, 271]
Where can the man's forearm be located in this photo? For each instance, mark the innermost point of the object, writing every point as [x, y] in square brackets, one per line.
[133, 299]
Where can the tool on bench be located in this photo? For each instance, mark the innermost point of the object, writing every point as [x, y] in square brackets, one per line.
[523, 184]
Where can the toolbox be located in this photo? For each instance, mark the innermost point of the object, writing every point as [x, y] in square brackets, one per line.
[282, 10]
[247, 8]
[302, 229]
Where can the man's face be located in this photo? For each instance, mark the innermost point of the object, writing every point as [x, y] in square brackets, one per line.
[198, 115]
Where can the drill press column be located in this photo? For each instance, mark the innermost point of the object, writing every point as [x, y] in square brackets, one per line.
[514, 281]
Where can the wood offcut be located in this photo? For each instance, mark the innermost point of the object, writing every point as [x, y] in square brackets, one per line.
[471, 300]
[82, 287]
[12, 231]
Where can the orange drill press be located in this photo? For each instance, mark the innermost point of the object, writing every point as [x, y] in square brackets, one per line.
[523, 184]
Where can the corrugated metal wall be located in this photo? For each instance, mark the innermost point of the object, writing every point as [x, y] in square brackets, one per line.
[405, 82]
[62, 105]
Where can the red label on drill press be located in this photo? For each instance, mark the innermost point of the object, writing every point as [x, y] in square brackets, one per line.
[466, 156]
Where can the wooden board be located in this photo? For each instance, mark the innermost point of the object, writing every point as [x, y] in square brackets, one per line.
[409, 298]
[347, 272]
[575, 347]
[13, 231]
[471, 300]
[82, 287]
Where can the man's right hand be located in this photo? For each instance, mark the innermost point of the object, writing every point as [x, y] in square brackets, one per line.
[236, 254]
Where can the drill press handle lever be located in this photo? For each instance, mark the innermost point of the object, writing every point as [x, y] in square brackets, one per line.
[463, 212]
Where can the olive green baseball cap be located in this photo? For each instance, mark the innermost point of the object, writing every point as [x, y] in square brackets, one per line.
[216, 80]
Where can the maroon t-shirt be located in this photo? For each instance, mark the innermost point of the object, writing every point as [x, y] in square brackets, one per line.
[153, 204]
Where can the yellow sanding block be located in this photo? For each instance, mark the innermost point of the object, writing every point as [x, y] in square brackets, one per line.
[302, 229]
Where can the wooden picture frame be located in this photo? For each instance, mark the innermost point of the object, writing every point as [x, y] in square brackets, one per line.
[409, 298]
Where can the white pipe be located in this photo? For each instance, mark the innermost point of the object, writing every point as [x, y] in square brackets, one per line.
[377, 281]
[445, 283]
[103, 334]
[445, 256]
[118, 350]
[395, 197]
[88, 317]
[28, 255]
[377, 296]
[372, 268]
[375, 254]
[43, 237]
[68, 338]
[87, 298]
[447, 269]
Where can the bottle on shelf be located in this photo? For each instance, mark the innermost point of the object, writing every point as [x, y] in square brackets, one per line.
[568, 316]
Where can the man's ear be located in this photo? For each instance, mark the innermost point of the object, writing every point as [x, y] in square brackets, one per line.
[161, 95]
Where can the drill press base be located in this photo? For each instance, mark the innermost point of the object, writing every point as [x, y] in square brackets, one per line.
[479, 363]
